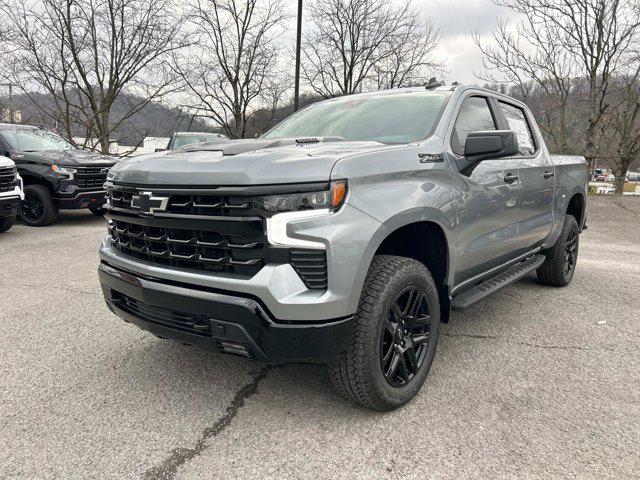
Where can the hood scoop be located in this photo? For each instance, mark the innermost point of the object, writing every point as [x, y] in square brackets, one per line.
[236, 147]
[307, 140]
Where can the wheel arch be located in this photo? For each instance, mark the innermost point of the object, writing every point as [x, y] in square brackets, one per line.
[423, 238]
[577, 208]
[30, 178]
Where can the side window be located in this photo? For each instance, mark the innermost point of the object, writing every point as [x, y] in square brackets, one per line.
[475, 115]
[518, 123]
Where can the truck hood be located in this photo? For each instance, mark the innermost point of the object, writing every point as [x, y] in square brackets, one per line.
[6, 162]
[240, 162]
[69, 158]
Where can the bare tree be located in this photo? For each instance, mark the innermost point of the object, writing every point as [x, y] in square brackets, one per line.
[621, 126]
[86, 53]
[409, 58]
[235, 61]
[547, 68]
[561, 40]
[357, 44]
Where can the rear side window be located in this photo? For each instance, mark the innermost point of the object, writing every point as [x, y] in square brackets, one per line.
[518, 123]
[475, 115]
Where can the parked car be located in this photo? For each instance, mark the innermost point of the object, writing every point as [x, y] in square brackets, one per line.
[346, 234]
[10, 193]
[633, 176]
[56, 175]
[180, 139]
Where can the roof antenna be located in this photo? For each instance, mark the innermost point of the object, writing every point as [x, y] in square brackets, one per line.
[433, 83]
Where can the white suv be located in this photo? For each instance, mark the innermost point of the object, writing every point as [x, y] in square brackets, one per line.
[10, 193]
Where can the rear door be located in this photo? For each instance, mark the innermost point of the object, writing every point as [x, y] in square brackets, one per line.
[486, 199]
[537, 177]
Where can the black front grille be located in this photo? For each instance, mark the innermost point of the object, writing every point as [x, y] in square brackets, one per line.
[203, 232]
[186, 322]
[213, 205]
[91, 177]
[221, 250]
[7, 179]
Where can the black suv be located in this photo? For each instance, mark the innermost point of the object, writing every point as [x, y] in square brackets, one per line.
[56, 175]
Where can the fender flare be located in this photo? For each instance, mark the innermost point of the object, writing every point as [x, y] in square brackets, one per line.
[402, 219]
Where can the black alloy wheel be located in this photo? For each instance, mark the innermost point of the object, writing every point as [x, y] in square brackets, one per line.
[38, 209]
[570, 253]
[404, 339]
[32, 207]
[395, 335]
[560, 265]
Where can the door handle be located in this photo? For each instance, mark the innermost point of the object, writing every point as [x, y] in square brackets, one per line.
[547, 175]
[510, 178]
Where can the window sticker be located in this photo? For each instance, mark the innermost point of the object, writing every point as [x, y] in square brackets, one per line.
[522, 131]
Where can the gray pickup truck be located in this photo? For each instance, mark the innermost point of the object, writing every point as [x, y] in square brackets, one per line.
[345, 235]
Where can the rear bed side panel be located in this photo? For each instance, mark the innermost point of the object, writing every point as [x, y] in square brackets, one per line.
[571, 179]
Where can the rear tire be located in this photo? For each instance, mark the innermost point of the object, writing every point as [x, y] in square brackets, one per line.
[560, 265]
[37, 208]
[6, 223]
[395, 337]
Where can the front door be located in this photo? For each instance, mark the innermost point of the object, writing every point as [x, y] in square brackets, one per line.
[486, 199]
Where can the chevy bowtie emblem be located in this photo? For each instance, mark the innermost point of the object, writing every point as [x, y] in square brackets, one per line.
[148, 204]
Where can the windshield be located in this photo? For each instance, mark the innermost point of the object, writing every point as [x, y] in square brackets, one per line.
[31, 140]
[182, 140]
[402, 117]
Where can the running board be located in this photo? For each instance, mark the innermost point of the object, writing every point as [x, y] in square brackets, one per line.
[513, 274]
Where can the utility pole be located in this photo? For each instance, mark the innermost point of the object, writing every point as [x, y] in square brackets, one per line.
[296, 95]
[10, 85]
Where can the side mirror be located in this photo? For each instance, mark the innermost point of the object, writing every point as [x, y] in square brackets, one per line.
[487, 145]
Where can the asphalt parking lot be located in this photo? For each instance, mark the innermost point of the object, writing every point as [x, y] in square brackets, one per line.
[533, 382]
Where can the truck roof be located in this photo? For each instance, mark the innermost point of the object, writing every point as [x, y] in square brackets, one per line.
[197, 133]
[14, 126]
[443, 88]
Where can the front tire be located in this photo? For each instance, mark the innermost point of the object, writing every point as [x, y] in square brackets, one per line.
[6, 223]
[560, 264]
[395, 336]
[37, 208]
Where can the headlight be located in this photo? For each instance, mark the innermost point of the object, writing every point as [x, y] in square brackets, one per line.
[330, 199]
[64, 170]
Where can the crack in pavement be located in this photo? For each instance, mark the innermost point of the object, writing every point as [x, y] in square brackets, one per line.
[609, 348]
[168, 468]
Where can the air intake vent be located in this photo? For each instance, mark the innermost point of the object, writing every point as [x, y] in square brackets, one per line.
[311, 265]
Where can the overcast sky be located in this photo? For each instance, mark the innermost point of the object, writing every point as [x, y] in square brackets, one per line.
[458, 19]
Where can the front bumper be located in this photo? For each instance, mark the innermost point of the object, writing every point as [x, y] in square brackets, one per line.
[81, 199]
[9, 206]
[220, 321]
[347, 238]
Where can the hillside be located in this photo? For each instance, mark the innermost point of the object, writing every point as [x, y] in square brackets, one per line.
[155, 119]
